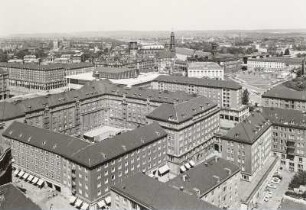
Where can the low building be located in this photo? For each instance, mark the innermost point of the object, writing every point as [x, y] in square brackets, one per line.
[288, 137]
[165, 61]
[114, 73]
[143, 192]
[78, 68]
[81, 169]
[4, 87]
[191, 126]
[215, 181]
[248, 144]
[205, 69]
[11, 198]
[275, 63]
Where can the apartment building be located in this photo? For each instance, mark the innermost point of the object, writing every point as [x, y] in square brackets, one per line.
[96, 104]
[215, 181]
[205, 69]
[145, 193]
[288, 137]
[27, 78]
[227, 94]
[83, 170]
[248, 144]
[4, 88]
[5, 164]
[284, 97]
[191, 126]
[274, 63]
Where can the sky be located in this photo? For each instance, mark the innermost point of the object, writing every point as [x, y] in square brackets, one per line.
[68, 16]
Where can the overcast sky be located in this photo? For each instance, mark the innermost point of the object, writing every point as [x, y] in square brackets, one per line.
[48, 16]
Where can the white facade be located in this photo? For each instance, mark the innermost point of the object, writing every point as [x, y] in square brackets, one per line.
[206, 69]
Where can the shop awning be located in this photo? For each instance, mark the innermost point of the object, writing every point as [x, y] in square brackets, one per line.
[108, 200]
[30, 177]
[34, 180]
[21, 173]
[25, 175]
[192, 163]
[85, 206]
[72, 199]
[188, 166]
[40, 182]
[101, 204]
[16, 172]
[78, 203]
[183, 169]
[164, 169]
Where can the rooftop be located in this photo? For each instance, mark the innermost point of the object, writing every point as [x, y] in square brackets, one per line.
[206, 176]
[282, 91]
[202, 82]
[79, 151]
[249, 130]
[204, 66]
[158, 196]
[11, 198]
[112, 69]
[32, 66]
[279, 59]
[286, 117]
[183, 111]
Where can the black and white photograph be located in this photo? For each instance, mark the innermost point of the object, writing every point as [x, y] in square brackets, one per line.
[152, 105]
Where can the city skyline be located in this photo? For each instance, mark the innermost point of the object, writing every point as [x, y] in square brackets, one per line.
[69, 16]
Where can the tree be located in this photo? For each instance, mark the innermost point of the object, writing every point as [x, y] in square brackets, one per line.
[287, 52]
[245, 97]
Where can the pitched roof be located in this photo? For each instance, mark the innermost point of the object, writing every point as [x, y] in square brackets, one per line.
[249, 130]
[11, 198]
[183, 111]
[32, 66]
[283, 92]
[285, 117]
[202, 82]
[79, 151]
[158, 196]
[17, 109]
[204, 66]
[203, 178]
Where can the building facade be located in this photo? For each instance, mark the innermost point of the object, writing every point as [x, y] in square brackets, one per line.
[275, 64]
[288, 137]
[191, 127]
[4, 88]
[205, 69]
[81, 169]
[227, 94]
[114, 73]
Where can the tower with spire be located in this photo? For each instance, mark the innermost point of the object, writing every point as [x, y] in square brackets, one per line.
[172, 42]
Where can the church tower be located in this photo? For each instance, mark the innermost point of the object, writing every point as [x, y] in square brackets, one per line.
[172, 42]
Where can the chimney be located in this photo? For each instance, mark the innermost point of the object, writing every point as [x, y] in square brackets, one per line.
[228, 170]
[217, 178]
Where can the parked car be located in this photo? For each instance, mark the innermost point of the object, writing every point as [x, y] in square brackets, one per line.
[266, 199]
[271, 186]
[269, 194]
[275, 180]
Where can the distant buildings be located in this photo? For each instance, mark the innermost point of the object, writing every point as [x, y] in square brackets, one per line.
[205, 69]
[30, 59]
[27, 78]
[4, 87]
[275, 63]
[191, 126]
[226, 94]
[115, 73]
[215, 181]
[83, 170]
[145, 193]
[288, 137]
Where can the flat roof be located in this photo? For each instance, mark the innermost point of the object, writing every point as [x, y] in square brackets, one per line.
[88, 76]
[112, 69]
[102, 130]
[283, 92]
[142, 78]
